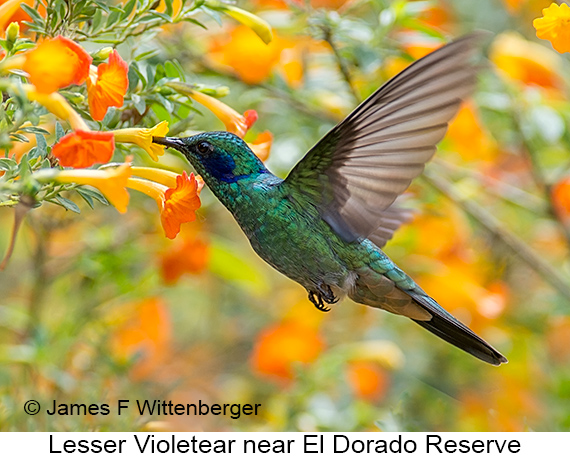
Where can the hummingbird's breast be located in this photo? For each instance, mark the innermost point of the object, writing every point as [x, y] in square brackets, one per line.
[292, 239]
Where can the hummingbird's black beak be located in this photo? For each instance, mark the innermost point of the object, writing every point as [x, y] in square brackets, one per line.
[171, 142]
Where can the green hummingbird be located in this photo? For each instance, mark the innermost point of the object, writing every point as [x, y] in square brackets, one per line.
[325, 224]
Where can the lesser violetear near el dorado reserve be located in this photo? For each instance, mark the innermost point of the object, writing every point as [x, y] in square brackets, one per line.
[323, 226]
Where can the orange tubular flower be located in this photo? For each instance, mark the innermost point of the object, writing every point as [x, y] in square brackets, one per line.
[234, 122]
[143, 138]
[83, 148]
[262, 145]
[555, 26]
[56, 63]
[108, 86]
[112, 182]
[177, 204]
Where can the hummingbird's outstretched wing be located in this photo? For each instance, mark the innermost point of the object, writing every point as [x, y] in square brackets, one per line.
[357, 170]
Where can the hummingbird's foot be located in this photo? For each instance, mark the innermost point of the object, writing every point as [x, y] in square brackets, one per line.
[317, 300]
[323, 295]
[326, 293]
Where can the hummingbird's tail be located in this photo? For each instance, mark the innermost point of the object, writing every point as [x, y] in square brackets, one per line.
[373, 288]
[451, 330]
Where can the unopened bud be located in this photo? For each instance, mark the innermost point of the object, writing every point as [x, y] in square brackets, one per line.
[217, 92]
[102, 53]
[12, 32]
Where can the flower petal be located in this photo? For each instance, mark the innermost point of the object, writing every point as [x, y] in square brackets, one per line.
[110, 86]
[555, 26]
[82, 148]
[57, 63]
[180, 204]
[143, 138]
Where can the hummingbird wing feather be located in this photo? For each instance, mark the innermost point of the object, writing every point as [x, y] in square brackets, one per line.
[354, 174]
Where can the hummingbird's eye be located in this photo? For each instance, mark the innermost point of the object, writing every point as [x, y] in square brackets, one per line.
[204, 147]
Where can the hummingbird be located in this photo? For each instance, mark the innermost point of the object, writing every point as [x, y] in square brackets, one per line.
[324, 225]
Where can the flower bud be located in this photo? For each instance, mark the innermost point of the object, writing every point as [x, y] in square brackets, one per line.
[12, 32]
[103, 53]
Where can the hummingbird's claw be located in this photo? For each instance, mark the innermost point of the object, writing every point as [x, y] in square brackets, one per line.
[324, 295]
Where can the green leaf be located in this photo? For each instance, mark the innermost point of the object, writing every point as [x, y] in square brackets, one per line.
[7, 164]
[97, 21]
[59, 132]
[169, 9]
[85, 197]
[129, 7]
[67, 204]
[113, 18]
[19, 137]
[166, 17]
[140, 104]
[146, 55]
[94, 194]
[35, 130]
[41, 145]
[36, 17]
[171, 70]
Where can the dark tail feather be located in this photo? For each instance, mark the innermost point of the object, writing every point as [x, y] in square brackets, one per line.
[451, 330]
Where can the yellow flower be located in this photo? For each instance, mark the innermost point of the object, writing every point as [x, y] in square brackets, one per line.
[555, 26]
[143, 138]
[112, 182]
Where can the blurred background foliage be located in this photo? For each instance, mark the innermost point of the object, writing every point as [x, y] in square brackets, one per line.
[101, 306]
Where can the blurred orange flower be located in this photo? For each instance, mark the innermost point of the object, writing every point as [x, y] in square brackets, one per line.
[243, 53]
[177, 204]
[10, 11]
[555, 26]
[112, 182]
[144, 337]
[279, 347]
[261, 146]
[107, 86]
[561, 197]
[82, 149]
[525, 61]
[367, 380]
[468, 138]
[56, 63]
[189, 255]
[143, 138]
[459, 286]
